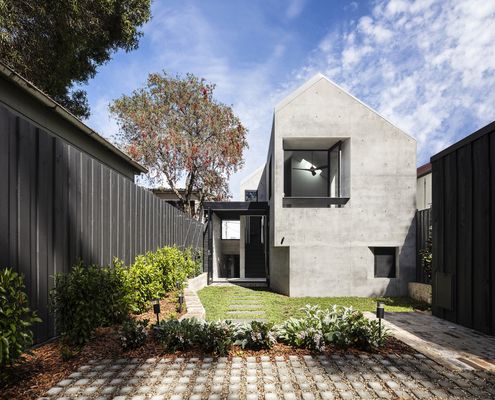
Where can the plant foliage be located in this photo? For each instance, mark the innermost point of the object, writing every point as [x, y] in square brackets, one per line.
[87, 297]
[133, 333]
[57, 45]
[340, 326]
[256, 336]
[16, 319]
[175, 128]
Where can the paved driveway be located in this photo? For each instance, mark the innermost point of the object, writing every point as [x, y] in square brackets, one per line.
[292, 377]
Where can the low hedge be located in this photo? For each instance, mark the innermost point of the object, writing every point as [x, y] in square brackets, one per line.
[90, 296]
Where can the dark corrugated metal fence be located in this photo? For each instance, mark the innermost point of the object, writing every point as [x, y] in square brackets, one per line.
[58, 205]
[423, 227]
[464, 232]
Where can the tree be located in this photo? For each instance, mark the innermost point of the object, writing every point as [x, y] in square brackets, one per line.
[59, 44]
[175, 128]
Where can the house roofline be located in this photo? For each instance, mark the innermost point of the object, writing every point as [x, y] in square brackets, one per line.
[468, 139]
[316, 78]
[423, 170]
[12, 76]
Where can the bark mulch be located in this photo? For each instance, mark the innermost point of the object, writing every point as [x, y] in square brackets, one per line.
[45, 367]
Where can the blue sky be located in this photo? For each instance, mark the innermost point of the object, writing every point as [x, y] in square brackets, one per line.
[428, 66]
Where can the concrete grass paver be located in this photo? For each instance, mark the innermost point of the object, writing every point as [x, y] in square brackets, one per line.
[282, 377]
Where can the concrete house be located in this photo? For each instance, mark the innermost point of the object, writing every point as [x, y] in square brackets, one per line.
[331, 213]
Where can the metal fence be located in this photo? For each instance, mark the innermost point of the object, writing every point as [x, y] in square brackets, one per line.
[59, 205]
[423, 231]
[464, 231]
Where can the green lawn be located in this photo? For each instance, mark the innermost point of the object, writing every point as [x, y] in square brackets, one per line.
[278, 308]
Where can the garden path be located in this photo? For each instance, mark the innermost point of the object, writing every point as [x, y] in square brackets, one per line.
[274, 378]
[452, 345]
[245, 308]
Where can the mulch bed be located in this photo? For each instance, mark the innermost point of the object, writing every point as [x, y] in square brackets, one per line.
[44, 368]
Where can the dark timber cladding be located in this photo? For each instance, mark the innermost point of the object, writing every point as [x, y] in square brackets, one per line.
[464, 231]
[58, 205]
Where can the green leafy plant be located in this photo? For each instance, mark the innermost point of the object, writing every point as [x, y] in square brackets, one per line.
[133, 334]
[217, 337]
[16, 319]
[176, 335]
[341, 326]
[85, 298]
[194, 261]
[211, 337]
[426, 256]
[306, 332]
[256, 336]
[143, 282]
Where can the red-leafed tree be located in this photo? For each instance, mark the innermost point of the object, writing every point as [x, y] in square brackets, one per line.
[175, 128]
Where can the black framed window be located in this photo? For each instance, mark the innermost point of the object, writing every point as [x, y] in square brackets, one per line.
[313, 173]
[385, 262]
[250, 195]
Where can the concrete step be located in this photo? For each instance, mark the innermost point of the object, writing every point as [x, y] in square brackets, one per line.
[245, 307]
[244, 312]
[247, 321]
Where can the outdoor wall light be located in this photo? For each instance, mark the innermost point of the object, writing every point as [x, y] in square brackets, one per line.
[156, 309]
[380, 313]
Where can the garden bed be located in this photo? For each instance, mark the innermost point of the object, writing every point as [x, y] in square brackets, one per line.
[44, 367]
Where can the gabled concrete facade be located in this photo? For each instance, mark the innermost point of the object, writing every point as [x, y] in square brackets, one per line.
[331, 248]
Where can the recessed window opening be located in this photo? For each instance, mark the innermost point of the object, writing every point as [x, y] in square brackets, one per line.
[385, 262]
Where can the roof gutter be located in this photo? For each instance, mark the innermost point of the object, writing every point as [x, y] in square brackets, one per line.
[14, 77]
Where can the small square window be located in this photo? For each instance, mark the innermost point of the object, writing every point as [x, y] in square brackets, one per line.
[385, 262]
[231, 230]
[250, 195]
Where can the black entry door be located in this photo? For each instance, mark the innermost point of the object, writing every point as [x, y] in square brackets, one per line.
[255, 248]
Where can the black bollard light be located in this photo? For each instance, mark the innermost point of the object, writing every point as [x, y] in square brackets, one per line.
[156, 309]
[181, 301]
[380, 313]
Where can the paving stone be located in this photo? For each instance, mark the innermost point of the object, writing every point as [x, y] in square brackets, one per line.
[289, 396]
[54, 391]
[327, 395]
[308, 396]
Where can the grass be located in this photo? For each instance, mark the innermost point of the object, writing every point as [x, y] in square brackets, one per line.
[278, 308]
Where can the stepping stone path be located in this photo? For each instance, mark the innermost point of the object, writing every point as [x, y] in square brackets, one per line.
[288, 377]
[246, 308]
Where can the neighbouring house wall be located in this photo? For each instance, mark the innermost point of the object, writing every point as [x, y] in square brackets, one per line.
[59, 205]
[330, 251]
[423, 191]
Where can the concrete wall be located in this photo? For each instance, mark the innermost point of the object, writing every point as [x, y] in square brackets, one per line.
[329, 251]
[423, 192]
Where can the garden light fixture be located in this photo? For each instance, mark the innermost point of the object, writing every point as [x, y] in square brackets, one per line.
[156, 309]
[181, 301]
[380, 313]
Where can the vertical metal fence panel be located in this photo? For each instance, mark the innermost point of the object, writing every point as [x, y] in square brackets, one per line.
[58, 205]
[423, 230]
[464, 231]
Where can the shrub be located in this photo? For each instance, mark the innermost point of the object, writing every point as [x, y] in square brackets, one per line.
[133, 334]
[217, 337]
[143, 282]
[306, 332]
[16, 318]
[85, 298]
[341, 326]
[210, 337]
[256, 336]
[177, 335]
[345, 327]
[194, 262]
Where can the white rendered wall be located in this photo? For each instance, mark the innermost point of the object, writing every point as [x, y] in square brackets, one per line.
[423, 197]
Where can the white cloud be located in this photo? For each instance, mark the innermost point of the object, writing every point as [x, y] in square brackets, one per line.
[427, 65]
